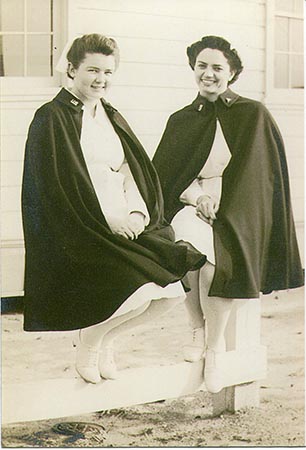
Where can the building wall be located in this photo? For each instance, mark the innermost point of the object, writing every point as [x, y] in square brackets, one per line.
[153, 80]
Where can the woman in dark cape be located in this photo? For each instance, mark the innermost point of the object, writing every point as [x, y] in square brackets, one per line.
[222, 167]
[98, 248]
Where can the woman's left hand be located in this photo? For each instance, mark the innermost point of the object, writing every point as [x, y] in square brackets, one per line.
[136, 223]
[206, 208]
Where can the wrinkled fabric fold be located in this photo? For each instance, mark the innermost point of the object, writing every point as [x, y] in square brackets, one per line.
[254, 234]
[77, 272]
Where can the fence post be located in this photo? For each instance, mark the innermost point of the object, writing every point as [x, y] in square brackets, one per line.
[245, 357]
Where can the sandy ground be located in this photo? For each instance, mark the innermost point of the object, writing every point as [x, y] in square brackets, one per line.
[183, 422]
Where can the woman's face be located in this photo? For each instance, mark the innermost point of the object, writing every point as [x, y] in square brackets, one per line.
[212, 73]
[93, 76]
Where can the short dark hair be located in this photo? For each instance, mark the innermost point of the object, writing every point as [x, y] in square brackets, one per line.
[92, 43]
[218, 43]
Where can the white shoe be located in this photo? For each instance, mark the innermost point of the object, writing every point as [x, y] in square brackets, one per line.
[194, 352]
[107, 365]
[87, 360]
[213, 375]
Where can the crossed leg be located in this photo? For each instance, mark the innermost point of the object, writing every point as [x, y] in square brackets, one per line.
[98, 339]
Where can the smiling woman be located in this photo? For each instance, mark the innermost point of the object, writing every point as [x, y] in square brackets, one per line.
[212, 73]
[99, 253]
[231, 199]
[92, 77]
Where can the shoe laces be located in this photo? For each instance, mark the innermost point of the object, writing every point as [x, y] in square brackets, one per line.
[107, 354]
[88, 356]
[197, 334]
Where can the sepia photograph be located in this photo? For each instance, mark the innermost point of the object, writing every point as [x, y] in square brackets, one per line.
[152, 223]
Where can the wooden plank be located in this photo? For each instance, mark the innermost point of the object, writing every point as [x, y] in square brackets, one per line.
[246, 353]
[237, 397]
[66, 397]
[60, 398]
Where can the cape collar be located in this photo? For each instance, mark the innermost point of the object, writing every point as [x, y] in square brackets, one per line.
[228, 98]
[67, 98]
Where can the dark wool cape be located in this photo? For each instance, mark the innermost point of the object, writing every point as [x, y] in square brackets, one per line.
[77, 271]
[254, 235]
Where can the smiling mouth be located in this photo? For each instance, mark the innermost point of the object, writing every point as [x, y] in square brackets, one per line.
[208, 82]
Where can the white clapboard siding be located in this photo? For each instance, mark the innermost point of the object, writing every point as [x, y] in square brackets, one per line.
[164, 52]
[160, 98]
[172, 77]
[120, 24]
[291, 123]
[297, 187]
[231, 11]
[10, 198]
[153, 80]
[298, 207]
[12, 259]
[15, 122]
[11, 173]
[12, 147]
[294, 145]
[11, 226]
[295, 166]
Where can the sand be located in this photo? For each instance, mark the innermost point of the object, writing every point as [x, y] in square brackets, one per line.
[184, 422]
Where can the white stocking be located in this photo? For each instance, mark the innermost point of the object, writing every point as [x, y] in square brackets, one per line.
[216, 310]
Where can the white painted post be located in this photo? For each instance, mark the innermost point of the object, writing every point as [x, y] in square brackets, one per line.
[245, 357]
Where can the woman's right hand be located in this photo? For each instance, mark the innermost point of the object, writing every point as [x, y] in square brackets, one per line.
[206, 208]
[129, 226]
[120, 225]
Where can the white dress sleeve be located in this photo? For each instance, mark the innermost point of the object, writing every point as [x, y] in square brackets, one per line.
[211, 187]
[134, 200]
[192, 193]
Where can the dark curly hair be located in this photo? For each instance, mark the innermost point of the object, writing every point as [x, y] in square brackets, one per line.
[218, 43]
[92, 43]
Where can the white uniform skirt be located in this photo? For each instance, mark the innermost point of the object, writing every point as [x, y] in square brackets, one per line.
[189, 227]
[148, 292]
